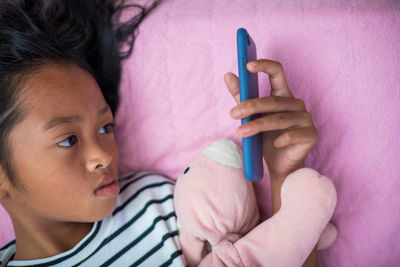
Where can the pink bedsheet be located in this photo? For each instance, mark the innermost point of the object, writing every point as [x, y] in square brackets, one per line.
[340, 57]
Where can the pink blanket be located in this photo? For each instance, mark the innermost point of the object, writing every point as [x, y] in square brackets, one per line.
[341, 58]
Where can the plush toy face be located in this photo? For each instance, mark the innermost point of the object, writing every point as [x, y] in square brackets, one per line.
[212, 193]
[213, 200]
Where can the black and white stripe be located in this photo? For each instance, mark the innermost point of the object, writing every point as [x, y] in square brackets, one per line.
[141, 231]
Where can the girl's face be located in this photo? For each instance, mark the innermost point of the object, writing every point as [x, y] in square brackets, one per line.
[64, 149]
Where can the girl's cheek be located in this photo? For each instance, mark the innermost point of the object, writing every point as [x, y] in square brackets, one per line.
[61, 156]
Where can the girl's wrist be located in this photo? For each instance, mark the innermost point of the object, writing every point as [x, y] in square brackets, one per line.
[276, 182]
[273, 175]
[276, 185]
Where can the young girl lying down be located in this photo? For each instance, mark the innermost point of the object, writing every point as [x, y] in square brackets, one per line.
[59, 77]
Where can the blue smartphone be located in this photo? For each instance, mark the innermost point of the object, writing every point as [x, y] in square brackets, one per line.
[248, 87]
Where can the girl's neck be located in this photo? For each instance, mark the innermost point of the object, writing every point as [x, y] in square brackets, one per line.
[35, 242]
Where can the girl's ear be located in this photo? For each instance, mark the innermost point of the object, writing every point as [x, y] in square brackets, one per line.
[4, 185]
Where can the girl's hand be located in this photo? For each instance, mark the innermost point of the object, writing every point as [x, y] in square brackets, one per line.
[288, 132]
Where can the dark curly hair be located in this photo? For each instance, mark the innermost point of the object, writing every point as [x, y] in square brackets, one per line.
[88, 33]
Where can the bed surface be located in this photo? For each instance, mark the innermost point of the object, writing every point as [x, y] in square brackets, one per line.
[340, 57]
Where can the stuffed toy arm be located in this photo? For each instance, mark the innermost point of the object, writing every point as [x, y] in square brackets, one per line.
[215, 204]
[288, 237]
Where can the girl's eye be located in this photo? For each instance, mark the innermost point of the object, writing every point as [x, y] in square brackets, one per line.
[68, 142]
[108, 127]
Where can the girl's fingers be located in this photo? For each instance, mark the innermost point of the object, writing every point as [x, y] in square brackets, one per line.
[305, 135]
[276, 121]
[276, 74]
[232, 82]
[267, 104]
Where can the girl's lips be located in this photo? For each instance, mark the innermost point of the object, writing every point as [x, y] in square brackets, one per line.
[108, 190]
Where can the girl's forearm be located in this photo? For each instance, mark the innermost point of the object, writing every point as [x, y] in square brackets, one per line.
[312, 260]
[276, 184]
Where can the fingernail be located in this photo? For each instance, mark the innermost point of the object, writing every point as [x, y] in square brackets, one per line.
[244, 129]
[236, 112]
[254, 64]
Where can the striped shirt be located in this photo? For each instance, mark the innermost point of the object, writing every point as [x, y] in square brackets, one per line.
[141, 231]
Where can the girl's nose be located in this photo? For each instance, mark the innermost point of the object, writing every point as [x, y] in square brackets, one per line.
[98, 157]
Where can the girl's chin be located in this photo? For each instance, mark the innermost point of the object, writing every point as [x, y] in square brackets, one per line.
[104, 209]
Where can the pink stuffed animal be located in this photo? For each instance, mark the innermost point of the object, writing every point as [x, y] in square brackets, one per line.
[218, 217]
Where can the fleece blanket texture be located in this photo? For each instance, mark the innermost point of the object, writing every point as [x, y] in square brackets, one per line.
[340, 57]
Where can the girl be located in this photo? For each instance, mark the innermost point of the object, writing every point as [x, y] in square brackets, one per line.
[59, 78]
